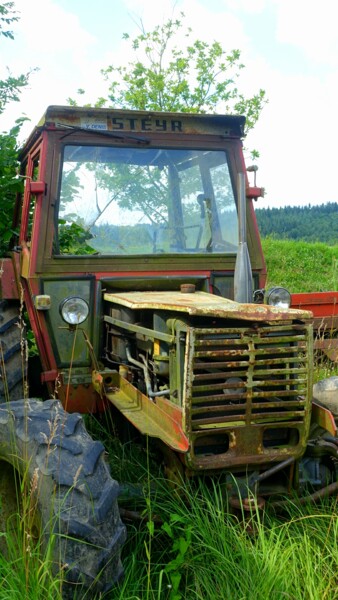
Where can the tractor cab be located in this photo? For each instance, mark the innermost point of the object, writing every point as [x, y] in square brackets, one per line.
[138, 253]
[137, 258]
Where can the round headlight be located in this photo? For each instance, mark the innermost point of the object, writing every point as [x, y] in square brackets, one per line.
[74, 310]
[279, 297]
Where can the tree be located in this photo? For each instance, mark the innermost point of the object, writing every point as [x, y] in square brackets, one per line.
[170, 76]
[165, 75]
[11, 86]
[10, 89]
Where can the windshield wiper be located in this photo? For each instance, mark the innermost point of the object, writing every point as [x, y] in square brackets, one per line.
[106, 133]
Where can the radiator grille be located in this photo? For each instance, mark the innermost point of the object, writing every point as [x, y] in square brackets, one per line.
[246, 376]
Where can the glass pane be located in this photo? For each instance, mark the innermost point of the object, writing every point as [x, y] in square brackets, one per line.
[123, 201]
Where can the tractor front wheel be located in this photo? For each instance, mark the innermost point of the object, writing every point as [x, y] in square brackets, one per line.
[12, 352]
[69, 487]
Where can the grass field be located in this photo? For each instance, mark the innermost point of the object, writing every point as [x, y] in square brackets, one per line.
[301, 266]
[197, 550]
[189, 546]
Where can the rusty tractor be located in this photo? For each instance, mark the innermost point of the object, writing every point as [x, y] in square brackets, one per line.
[138, 260]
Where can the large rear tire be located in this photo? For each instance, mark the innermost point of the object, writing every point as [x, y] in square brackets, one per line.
[12, 352]
[76, 498]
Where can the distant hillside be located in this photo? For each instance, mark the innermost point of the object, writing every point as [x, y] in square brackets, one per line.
[308, 223]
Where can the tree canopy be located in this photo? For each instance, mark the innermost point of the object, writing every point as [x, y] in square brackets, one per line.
[10, 89]
[308, 223]
[11, 86]
[171, 71]
[168, 71]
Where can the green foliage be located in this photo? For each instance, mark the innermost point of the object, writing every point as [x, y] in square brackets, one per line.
[7, 17]
[34, 581]
[301, 266]
[26, 565]
[73, 239]
[10, 89]
[307, 223]
[170, 75]
[202, 552]
[198, 550]
[180, 534]
[170, 71]
[10, 185]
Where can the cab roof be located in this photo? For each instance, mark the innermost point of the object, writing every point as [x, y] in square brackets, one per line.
[121, 121]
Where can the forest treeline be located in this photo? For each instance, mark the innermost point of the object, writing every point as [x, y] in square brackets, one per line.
[307, 223]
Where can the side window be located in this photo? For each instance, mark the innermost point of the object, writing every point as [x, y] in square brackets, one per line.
[32, 202]
[31, 173]
[18, 208]
[225, 203]
[191, 184]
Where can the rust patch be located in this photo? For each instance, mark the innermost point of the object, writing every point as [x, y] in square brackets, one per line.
[324, 418]
[157, 418]
[204, 304]
[8, 283]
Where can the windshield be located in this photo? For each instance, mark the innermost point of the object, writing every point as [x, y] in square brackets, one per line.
[125, 201]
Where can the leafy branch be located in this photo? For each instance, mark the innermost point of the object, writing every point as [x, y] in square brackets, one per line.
[170, 71]
[194, 77]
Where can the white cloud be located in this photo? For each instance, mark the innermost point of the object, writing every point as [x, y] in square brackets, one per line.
[296, 138]
[220, 24]
[297, 132]
[311, 26]
[53, 41]
[49, 31]
[247, 6]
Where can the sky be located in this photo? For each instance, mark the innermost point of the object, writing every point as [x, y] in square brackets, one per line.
[289, 48]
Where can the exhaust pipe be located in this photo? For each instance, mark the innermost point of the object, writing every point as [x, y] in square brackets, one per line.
[243, 273]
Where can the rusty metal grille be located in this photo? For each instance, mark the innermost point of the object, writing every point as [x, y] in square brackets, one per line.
[246, 376]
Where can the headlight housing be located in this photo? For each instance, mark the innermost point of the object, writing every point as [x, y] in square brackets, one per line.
[74, 310]
[279, 297]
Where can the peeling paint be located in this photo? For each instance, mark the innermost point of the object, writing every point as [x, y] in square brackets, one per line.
[204, 304]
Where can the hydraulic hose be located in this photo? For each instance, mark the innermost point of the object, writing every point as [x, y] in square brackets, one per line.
[144, 368]
[324, 492]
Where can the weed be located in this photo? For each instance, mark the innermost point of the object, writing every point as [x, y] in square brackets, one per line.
[195, 549]
[198, 551]
[202, 552]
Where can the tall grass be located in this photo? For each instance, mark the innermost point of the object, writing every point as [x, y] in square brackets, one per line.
[202, 552]
[301, 266]
[26, 569]
[190, 546]
[196, 549]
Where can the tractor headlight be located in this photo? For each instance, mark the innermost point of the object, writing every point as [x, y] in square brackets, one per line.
[74, 310]
[279, 297]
